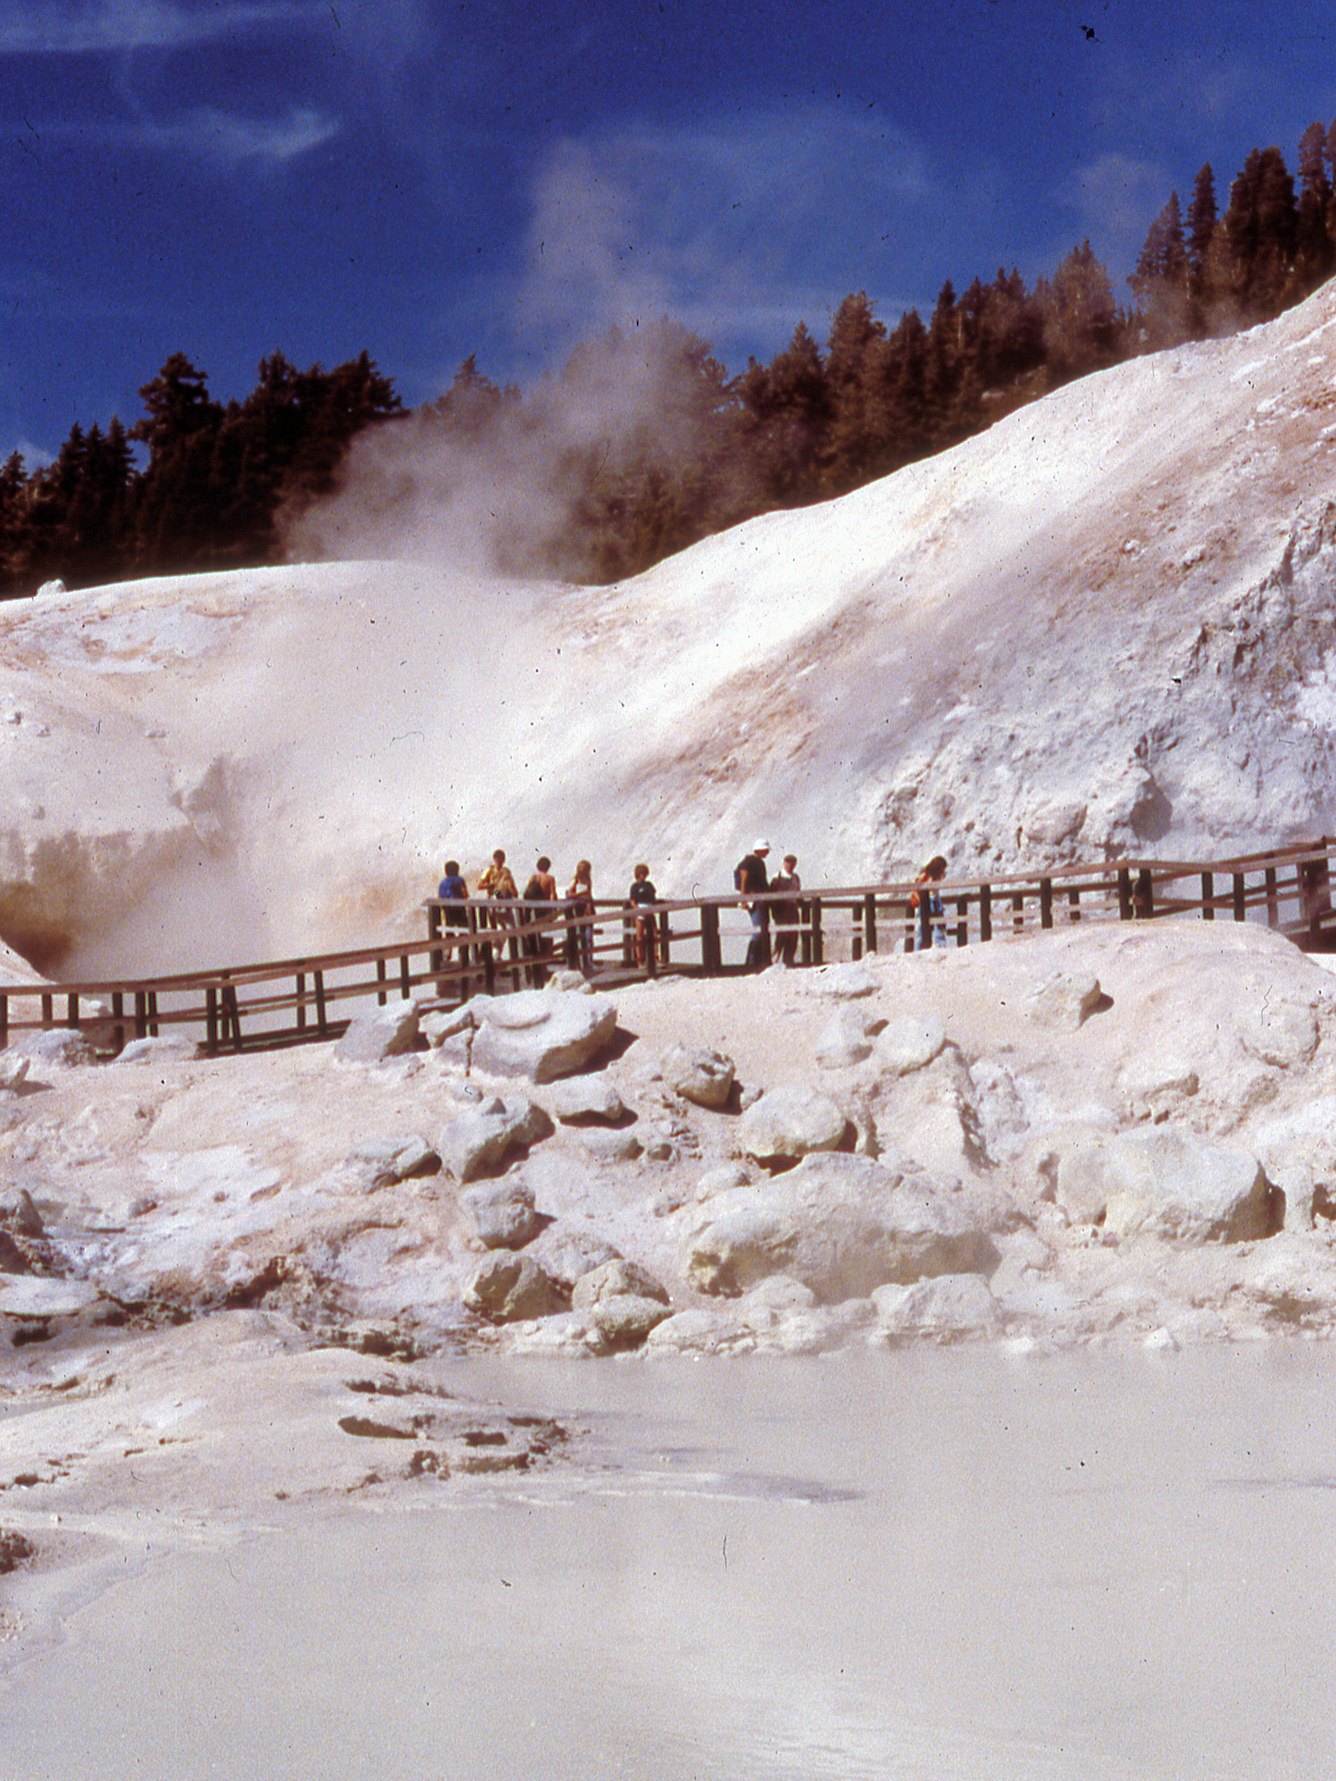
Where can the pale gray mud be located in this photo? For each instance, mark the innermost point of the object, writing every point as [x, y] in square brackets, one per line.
[926, 1565]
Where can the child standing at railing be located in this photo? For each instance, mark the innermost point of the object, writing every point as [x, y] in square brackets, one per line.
[580, 894]
[641, 894]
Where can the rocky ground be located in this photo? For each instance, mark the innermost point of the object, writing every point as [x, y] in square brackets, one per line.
[243, 1281]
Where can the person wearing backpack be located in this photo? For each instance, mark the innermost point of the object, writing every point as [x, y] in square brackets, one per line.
[749, 878]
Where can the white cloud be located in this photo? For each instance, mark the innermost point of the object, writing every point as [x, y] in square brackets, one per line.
[233, 141]
[224, 139]
[34, 28]
[1116, 195]
[729, 226]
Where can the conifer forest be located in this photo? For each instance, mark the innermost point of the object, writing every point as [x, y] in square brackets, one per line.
[197, 484]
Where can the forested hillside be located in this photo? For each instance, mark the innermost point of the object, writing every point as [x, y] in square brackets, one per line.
[217, 485]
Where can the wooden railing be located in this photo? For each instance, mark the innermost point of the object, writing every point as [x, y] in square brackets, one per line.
[495, 946]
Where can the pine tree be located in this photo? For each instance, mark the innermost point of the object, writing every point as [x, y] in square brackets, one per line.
[1313, 247]
[852, 352]
[1259, 225]
[1080, 317]
[1203, 224]
[1160, 281]
[786, 412]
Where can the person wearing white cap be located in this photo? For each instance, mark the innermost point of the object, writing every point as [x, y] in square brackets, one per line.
[749, 877]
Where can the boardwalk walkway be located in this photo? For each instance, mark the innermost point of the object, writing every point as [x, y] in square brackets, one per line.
[504, 946]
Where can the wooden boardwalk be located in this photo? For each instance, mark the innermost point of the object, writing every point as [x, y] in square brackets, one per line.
[502, 946]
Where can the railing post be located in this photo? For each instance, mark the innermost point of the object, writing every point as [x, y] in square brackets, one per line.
[1208, 896]
[1018, 912]
[1073, 904]
[211, 1020]
[1046, 902]
[405, 977]
[4, 1019]
[870, 922]
[818, 943]
[381, 979]
[710, 954]
[118, 1016]
[1124, 893]
[141, 1015]
[1240, 898]
[320, 1022]
[1272, 901]
[924, 924]
[153, 1013]
[985, 912]
[46, 1011]
[72, 1011]
[962, 921]
[301, 1001]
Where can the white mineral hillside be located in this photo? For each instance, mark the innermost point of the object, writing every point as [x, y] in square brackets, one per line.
[1104, 626]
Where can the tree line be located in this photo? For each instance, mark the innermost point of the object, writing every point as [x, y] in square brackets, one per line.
[222, 485]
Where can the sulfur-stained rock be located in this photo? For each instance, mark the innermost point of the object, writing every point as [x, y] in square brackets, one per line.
[625, 1320]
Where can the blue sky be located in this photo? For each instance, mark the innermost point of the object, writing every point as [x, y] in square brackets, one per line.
[424, 180]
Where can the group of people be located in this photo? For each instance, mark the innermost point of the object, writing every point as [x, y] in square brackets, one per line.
[750, 877]
[771, 903]
[496, 882]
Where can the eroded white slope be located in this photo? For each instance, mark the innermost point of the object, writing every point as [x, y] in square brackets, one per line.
[1104, 626]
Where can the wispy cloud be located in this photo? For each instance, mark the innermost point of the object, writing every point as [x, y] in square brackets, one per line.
[720, 225]
[1116, 195]
[218, 138]
[35, 28]
[232, 141]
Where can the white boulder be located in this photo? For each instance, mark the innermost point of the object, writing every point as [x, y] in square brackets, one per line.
[698, 1073]
[840, 1225]
[1065, 1002]
[1167, 1183]
[909, 1042]
[540, 1034]
[845, 1039]
[507, 1288]
[950, 1308]
[388, 1032]
[592, 1096]
[791, 1122]
[502, 1213]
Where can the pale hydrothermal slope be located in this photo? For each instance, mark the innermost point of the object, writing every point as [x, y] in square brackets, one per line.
[1104, 626]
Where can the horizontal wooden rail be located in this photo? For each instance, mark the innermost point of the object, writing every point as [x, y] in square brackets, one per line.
[496, 946]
